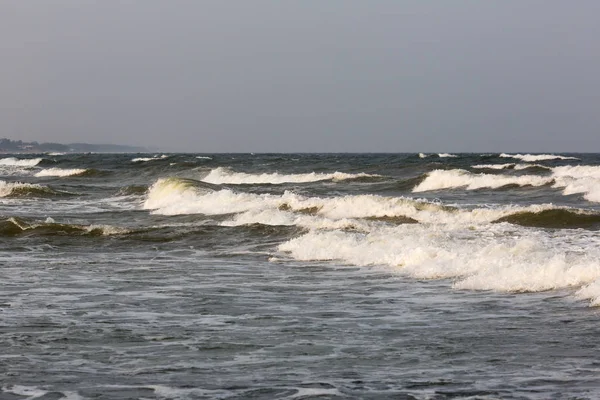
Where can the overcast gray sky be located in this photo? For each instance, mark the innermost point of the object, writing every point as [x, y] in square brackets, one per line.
[296, 76]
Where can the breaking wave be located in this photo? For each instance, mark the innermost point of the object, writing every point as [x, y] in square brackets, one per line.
[15, 162]
[459, 178]
[19, 189]
[61, 172]
[584, 179]
[176, 196]
[226, 176]
[447, 155]
[144, 159]
[494, 166]
[489, 259]
[513, 166]
[537, 157]
[479, 249]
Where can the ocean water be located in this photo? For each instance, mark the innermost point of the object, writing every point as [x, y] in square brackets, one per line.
[296, 276]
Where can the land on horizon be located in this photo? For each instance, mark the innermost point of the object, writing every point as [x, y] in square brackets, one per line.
[19, 146]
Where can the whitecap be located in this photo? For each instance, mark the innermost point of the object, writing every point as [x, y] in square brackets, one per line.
[226, 176]
[496, 257]
[60, 172]
[447, 155]
[11, 161]
[7, 188]
[459, 178]
[537, 157]
[494, 166]
[583, 179]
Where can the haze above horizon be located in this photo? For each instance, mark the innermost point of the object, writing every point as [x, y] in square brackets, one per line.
[269, 76]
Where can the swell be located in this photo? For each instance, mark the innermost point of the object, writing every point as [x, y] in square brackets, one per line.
[20, 227]
[24, 190]
[554, 218]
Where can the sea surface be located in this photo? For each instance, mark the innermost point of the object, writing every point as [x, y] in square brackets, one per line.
[297, 276]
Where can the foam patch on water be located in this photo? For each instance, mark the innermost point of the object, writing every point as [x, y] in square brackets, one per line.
[15, 162]
[447, 155]
[494, 166]
[144, 159]
[173, 196]
[590, 292]
[492, 257]
[226, 176]
[537, 157]
[60, 172]
[459, 178]
[30, 392]
[422, 155]
[526, 166]
[8, 188]
[578, 171]
[583, 179]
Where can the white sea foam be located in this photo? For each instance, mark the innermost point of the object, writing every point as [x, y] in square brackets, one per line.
[509, 166]
[525, 166]
[174, 196]
[422, 155]
[455, 178]
[11, 161]
[591, 292]
[30, 392]
[226, 176]
[204, 157]
[6, 188]
[488, 257]
[494, 166]
[143, 159]
[578, 171]
[60, 172]
[537, 157]
[107, 230]
[583, 179]
[447, 155]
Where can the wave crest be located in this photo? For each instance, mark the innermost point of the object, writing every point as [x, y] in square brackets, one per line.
[456, 178]
[15, 162]
[225, 176]
[17, 226]
[490, 259]
[20, 189]
[60, 172]
[537, 157]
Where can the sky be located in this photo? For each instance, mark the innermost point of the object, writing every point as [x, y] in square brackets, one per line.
[303, 75]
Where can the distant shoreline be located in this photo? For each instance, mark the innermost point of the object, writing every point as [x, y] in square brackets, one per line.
[8, 146]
